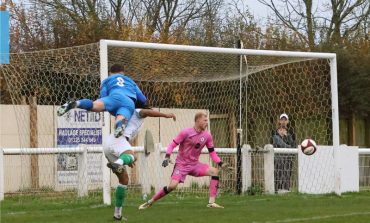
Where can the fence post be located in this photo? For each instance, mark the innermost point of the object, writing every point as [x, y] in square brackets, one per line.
[35, 175]
[82, 172]
[246, 167]
[268, 159]
[2, 166]
[106, 180]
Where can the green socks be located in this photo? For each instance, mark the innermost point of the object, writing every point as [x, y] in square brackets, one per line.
[120, 194]
[125, 159]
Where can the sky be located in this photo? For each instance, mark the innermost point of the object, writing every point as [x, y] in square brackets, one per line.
[261, 11]
[258, 10]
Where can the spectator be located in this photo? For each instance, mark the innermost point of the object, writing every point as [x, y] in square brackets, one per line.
[283, 137]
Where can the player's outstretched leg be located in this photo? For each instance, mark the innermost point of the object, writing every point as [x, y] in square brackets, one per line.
[66, 107]
[145, 205]
[86, 104]
[163, 192]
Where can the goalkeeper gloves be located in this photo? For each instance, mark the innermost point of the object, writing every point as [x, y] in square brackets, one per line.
[222, 165]
[225, 166]
[166, 161]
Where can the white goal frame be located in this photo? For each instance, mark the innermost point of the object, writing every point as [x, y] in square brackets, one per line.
[104, 44]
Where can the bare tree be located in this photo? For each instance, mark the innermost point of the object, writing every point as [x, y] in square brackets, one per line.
[117, 6]
[152, 14]
[247, 28]
[333, 21]
[176, 14]
[347, 17]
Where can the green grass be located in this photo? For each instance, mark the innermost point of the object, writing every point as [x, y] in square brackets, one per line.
[351, 207]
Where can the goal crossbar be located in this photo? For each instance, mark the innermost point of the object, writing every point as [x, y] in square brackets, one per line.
[218, 50]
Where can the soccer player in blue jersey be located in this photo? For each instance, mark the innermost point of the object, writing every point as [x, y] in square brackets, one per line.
[118, 95]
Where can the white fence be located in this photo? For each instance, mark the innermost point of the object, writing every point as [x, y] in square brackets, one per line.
[151, 174]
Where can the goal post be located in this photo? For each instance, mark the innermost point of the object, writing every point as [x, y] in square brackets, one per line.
[103, 52]
[335, 117]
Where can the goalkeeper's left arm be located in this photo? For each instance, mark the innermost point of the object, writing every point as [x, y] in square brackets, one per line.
[215, 157]
[212, 152]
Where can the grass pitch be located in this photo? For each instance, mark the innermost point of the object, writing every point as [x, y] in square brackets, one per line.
[351, 207]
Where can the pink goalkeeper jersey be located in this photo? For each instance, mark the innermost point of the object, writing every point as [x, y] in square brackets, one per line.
[191, 145]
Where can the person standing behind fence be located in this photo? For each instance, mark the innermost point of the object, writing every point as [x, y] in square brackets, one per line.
[283, 137]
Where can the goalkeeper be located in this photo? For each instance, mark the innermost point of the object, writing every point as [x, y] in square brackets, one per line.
[118, 96]
[191, 141]
[120, 153]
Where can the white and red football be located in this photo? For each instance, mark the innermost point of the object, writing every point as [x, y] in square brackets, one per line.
[308, 147]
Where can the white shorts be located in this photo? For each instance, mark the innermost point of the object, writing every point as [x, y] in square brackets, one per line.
[114, 147]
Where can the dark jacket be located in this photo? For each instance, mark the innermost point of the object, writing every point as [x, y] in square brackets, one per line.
[287, 141]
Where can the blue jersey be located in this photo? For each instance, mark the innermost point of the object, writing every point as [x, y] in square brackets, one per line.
[121, 85]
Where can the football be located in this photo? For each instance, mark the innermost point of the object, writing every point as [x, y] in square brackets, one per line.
[308, 147]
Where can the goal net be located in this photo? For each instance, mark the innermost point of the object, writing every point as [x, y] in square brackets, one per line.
[238, 89]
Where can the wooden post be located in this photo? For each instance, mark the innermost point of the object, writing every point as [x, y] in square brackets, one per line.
[34, 142]
[232, 130]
